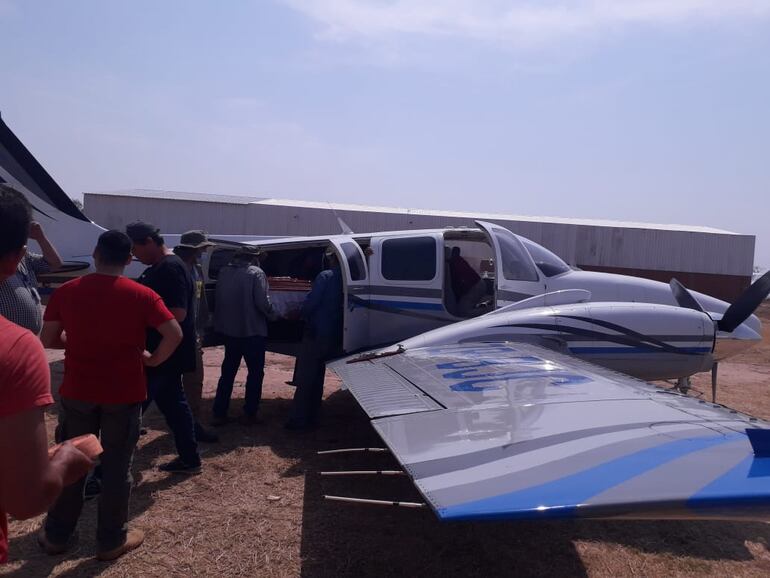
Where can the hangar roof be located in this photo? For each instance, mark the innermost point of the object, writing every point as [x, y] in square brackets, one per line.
[245, 200]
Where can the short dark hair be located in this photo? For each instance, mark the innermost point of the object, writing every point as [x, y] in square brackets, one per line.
[114, 248]
[15, 217]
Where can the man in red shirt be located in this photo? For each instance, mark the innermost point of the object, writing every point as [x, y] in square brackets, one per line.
[100, 321]
[29, 480]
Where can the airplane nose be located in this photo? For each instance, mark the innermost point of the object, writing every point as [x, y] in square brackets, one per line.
[732, 343]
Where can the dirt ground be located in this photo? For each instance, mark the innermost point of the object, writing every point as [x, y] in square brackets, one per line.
[258, 510]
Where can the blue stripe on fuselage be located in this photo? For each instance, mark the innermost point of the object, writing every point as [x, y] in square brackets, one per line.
[601, 350]
[408, 304]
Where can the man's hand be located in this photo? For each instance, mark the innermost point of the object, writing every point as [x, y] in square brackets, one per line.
[74, 464]
[148, 360]
[36, 231]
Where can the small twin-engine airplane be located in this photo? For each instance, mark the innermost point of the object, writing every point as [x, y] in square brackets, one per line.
[504, 381]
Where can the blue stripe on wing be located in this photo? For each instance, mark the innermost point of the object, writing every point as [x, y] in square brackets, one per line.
[562, 498]
[746, 483]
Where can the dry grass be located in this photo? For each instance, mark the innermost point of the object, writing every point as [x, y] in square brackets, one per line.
[257, 510]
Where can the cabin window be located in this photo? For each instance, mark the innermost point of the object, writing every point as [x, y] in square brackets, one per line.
[517, 265]
[355, 261]
[409, 259]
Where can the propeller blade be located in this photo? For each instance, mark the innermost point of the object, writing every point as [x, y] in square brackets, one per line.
[714, 382]
[745, 305]
[684, 297]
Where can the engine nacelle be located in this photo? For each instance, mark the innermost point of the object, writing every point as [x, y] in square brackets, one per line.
[644, 340]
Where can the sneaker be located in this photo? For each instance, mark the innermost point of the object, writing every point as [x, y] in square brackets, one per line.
[49, 547]
[250, 419]
[93, 488]
[205, 436]
[134, 539]
[178, 466]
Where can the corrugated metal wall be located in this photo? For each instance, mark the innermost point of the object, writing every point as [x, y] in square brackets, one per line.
[591, 246]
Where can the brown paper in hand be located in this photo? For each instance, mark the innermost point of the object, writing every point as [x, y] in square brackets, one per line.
[88, 444]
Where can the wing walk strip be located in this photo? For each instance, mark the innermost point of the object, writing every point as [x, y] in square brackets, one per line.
[382, 392]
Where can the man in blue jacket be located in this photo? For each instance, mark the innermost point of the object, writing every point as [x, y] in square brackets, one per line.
[322, 312]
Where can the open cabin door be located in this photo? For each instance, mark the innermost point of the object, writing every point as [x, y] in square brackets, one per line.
[516, 276]
[355, 278]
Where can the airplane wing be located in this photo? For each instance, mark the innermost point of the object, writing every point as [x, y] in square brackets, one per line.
[518, 431]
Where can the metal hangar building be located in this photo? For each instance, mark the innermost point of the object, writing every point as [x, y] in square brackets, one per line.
[713, 261]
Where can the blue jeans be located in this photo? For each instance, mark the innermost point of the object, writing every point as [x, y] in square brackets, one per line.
[165, 389]
[252, 350]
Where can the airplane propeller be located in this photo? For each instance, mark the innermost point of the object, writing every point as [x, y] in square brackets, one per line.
[740, 310]
[745, 305]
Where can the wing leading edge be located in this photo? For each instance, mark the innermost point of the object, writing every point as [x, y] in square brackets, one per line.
[515, 430]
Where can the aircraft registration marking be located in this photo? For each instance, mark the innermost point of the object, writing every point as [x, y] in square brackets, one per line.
[488, 367]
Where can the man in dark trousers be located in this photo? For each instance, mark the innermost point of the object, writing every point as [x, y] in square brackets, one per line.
[100, 321]
[168, 276]
[241, 314]
[191, 246]
[322, 339]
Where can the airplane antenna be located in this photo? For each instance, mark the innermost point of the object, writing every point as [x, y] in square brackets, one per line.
[346, 230]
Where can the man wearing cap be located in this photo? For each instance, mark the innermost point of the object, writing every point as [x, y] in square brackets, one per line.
[168, 276]
[240, 316]
[191, 246]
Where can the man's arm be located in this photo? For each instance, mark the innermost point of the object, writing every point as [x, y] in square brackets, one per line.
[179, 314]
[50, 254]
[52, 336]
[261, 297]
[315, 297]
[171, 337]
[32, 482]
[172, 287]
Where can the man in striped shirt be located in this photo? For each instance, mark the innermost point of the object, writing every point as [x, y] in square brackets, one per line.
[19, 298]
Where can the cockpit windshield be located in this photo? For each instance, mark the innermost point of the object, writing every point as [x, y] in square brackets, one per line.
[549, 263]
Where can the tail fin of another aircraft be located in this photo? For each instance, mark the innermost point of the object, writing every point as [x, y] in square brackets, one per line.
[70, 231]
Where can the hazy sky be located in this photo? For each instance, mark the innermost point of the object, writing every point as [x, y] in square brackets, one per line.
[654, 110]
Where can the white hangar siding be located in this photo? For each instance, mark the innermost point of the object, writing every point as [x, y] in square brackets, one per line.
[709, 260]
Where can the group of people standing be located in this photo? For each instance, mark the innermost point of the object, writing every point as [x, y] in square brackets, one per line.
[126, 345]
